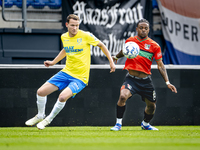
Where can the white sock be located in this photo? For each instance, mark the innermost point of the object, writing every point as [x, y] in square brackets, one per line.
[145, 123]
[56, 109]
[41, 103]
[119, 120]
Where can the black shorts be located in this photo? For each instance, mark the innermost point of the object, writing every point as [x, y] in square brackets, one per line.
[142, 86]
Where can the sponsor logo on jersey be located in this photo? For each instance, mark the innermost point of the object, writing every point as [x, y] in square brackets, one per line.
[159, 55]
[71, 50]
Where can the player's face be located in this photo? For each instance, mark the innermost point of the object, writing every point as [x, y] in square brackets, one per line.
[143, 30]
[73, 27]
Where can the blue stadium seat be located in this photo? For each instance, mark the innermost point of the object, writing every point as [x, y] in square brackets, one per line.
[54, 4]
[19, 3]
[7, 3]
[154, 4]
[39, 3]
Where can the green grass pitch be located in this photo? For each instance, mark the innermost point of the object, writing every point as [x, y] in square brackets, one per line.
[100, 138]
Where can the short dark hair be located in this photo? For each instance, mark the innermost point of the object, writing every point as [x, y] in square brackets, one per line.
[143, 20]
[72, 16]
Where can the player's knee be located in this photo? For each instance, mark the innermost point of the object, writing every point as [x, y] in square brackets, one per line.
[62, 98]
[40, 92]
[123, 98]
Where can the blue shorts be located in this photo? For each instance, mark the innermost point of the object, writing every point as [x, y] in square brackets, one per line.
[63, 80]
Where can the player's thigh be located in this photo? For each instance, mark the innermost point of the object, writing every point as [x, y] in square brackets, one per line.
[46, 89]
[65, 94]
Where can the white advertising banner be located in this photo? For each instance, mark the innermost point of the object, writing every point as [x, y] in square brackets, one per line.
[181, 26]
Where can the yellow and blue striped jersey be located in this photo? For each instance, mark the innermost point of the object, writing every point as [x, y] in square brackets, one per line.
[78, 57]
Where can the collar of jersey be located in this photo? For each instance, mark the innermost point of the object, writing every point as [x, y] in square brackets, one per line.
[74, 36]
[141, 40]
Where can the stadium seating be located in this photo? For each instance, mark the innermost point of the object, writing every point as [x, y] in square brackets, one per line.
[54, 4]
[38, 4]
[154, 4]
[8, 3]
[18, 3]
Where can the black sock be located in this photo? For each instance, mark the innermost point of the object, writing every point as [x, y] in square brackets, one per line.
[120, 111]
[147, 117]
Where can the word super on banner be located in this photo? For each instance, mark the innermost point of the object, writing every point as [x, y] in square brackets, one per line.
[111, 21]
[181, 29]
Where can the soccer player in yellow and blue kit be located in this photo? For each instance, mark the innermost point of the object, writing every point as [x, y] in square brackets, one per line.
[74, 76]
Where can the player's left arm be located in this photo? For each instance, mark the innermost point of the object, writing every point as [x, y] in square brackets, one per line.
[106, 52]
[163, 72]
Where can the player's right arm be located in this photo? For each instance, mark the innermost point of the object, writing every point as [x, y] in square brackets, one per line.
[58, 58]
[106, 52]
[116, 57]
[120, 54]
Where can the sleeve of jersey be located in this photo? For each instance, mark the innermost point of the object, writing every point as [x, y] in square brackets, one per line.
[61, 37]
[158, 54]
[92, 40]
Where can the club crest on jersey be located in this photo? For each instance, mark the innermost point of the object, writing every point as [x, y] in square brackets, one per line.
[79, 40]
[147, 46]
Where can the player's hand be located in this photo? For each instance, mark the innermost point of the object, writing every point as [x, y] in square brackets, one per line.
[114, 59]
[112, 67]
[48, 63]
[172, 88]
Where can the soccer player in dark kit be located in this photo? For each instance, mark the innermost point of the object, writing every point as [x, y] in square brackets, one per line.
[138, 79]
